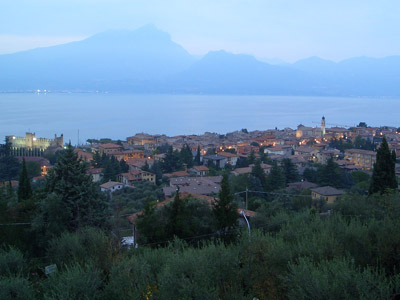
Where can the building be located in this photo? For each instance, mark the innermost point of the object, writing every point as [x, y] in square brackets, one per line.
[327, 193]
[308, 132]
[200, 170]
[231, 158]
[323, 131]
[141, 139]
[324, 155]
[217, 160]
[97, 174]
[364, 159]
[194, 185]
[135, 176]
[30, 145]
[279, 150]
[43, 162]
[111, 186]
[109, 148]
[128, 154]
[85, 156]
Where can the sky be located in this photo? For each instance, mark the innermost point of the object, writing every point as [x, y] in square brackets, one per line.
[268, 29]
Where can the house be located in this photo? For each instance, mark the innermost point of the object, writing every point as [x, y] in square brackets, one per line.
[176, 174]
[231, 158]
[327, 193]
[139, 163]
[109, 148]
[85, 156]
[324, 155]
[200, 170]
[129, 154]
[279, 150]
[305, 132]
[194, 185]
[43, 162]
[97, 174]
[249, 169]
[361, 158]
[217, 160]
[301, 185]
[111, 186]
[136, 175]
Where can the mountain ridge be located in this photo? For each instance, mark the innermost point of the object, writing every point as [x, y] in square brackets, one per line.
[147, 60]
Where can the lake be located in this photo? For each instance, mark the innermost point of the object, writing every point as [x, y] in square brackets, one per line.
[121, 115]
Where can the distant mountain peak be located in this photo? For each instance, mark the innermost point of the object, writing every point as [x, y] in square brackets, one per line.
[146, 32]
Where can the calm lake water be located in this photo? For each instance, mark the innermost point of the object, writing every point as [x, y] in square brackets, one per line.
[121, 115]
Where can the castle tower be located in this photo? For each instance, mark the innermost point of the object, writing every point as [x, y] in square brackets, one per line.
[323, 125]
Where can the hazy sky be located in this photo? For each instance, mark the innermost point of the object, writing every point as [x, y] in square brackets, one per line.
[286, 29]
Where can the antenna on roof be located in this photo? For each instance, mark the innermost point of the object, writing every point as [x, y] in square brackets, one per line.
[78, 137]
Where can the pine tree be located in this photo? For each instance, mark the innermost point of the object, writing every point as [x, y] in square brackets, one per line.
[330, 174]
[275, 179]
[9, 165]
[186, 156]
[24, 185]
[259, 173]
[77, 192]
[176, 217]
[225, 211]
[290, 170]
[383, 175]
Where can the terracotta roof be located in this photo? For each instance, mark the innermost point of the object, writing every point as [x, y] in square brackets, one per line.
[40, 160]
[110, 146]
[94, 171]
[327, 191]
[227, 154]
[201, 168]
[177, 174]
[360, 151]
[301, 185]
[110, 184]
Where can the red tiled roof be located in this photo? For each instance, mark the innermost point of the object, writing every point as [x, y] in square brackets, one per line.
[201, 168]
[94, 171]
[110, 146]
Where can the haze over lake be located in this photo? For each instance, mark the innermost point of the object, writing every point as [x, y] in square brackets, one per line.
[120, 115]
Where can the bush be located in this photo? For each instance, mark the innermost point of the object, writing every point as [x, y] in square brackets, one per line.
[12, 262]
[90, 245]
[16, 288]
[75, 282]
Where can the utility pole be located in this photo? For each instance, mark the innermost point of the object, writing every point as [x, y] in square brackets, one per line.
[247, 190]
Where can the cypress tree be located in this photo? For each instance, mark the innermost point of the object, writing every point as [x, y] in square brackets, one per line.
[197, 161]
[383, 175]
[24, 186]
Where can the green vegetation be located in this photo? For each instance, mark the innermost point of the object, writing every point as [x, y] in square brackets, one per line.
[383, 176]
[196, 249]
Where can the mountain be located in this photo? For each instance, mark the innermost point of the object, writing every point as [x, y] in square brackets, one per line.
[146, 60]
[223, 72]
[116, 57]
[358, 76]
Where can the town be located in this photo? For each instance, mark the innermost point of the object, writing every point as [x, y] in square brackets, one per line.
[353, 149]
[308, 191]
